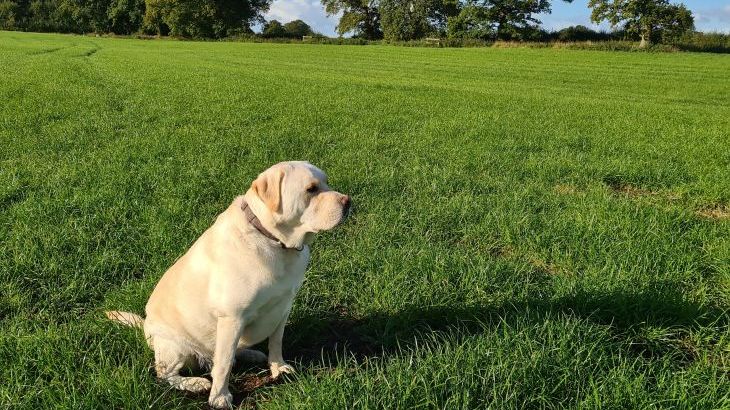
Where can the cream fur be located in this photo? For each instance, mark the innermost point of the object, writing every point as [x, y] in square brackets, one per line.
[234, 287]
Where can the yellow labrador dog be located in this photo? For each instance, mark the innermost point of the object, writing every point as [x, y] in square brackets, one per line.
[235, 285]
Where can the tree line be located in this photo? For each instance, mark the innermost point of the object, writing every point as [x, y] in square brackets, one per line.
[183, 18]
[392, 20]
[402, 20]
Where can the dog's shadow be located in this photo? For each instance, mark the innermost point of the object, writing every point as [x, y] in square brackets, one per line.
[323, 338]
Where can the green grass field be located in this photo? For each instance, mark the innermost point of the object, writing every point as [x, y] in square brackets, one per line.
[532, 228]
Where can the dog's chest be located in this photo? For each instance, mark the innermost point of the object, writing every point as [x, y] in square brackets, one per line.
[273, 298]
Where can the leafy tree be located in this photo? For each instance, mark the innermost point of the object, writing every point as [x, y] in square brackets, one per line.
[360, 17]
[153, 21]
[41, 16]
[292, 29]
[498, 19]
[10, 15]
[237, 16]
[405, 19]
[471, 22]
[414, 19]
[125, 16]
[183, 18]
[440, 12]
[273, 29]
[77, 16]
[580, 33]
[297, 29]
[98, 15]
[514, 18]
[650, 20]
[676, 21]
[72, 16]
[202, 18]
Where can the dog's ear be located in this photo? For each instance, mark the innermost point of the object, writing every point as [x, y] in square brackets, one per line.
[268, 187]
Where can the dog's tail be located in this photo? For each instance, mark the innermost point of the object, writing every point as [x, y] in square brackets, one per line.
[125, 318]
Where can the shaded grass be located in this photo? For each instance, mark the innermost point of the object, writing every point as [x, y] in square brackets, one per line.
[526, 229]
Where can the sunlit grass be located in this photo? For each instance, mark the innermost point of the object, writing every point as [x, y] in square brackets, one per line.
[532, 228]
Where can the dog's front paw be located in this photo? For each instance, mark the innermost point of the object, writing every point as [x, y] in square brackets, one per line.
[223, 400]
[278, 368]
[194, 384]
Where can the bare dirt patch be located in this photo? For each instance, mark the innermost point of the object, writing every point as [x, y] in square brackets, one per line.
[565, 189]
[502, 251]
[245, 386]
[250, 382]
[509, 253]
[628, 190]
[715, 212]
[545, 267]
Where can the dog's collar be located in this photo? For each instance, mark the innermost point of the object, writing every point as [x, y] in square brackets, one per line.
[254, 220]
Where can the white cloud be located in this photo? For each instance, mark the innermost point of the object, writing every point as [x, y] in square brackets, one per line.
[713, 19]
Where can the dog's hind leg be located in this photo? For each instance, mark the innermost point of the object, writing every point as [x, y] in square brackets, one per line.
[170, 358]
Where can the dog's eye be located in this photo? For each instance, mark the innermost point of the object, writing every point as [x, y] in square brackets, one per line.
[313, 188]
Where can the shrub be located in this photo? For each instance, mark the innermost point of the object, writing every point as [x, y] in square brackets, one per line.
[470, 23]
[581, 33]
[273, 29]
[297, 29]
[125, 16]
[707, 42]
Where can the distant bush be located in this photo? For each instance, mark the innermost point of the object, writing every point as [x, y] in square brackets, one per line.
[611, 45]
[294, 29]
[343, 41]
[9, 18]
[698, 42]
[406, 20]
[581, 33]
[470, 23]
[273, 29]
[314, 39]
[125, 16]
[706, 42]
[298, 29]
[201, 18]
[183, 18]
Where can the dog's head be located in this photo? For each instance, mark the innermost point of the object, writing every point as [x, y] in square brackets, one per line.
[297, 202]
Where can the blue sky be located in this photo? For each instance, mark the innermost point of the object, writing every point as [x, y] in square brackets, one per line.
[710, 15]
